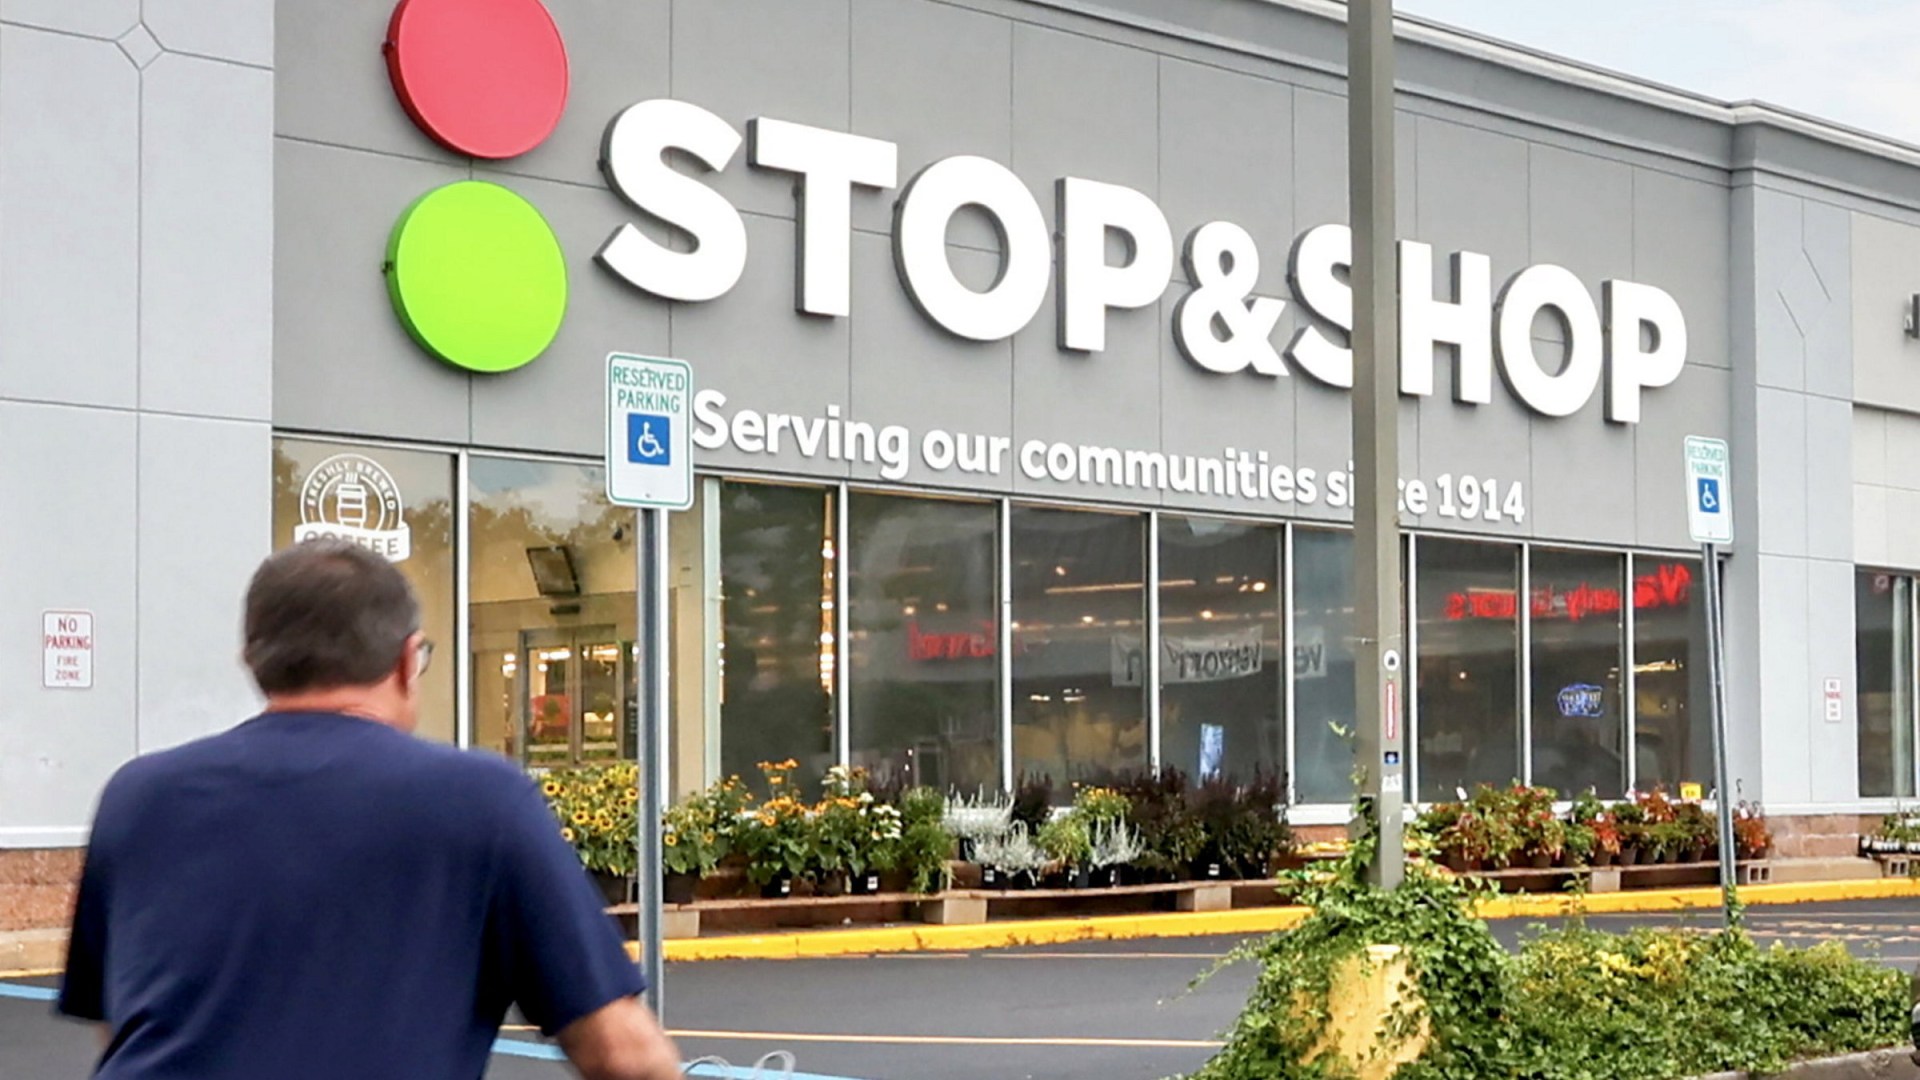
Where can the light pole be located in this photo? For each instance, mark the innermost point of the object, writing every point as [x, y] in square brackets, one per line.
[1378, 662]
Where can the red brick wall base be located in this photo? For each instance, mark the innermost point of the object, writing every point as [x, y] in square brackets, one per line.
[36, 888]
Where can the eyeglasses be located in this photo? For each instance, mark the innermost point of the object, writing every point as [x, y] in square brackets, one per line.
[422, 656]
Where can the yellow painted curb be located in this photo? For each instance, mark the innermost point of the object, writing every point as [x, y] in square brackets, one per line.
[1249, 922]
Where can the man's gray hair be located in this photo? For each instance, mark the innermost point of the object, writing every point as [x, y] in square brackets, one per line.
[326, 614]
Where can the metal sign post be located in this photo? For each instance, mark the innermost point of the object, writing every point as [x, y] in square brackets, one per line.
[650, 466]
[1709, 494]
[1376, 432]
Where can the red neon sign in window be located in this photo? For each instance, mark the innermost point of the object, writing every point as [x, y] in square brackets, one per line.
[966, 645]
[1668, 586]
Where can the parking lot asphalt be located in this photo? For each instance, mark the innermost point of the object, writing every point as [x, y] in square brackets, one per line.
[1119, 1010]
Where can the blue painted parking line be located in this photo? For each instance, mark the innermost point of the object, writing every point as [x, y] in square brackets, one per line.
[521, 1048]
[28, 993]
[544, 1052]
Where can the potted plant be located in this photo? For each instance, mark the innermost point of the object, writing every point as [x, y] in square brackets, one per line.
[778, 840]
[1700, 830]
[1631, 821]
[691, 847]
[1158, 806]
[1751, 837]
[1068, 846]
[1581, 843]
[1543, 838]
[1010, 860]
[1606, 839]
[597, 806]
[1113, 846]
[970, 820]
[925, 845]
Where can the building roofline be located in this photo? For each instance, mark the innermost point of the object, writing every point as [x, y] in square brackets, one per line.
[1632, 87]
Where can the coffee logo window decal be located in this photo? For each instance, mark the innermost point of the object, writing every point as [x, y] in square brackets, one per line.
[354, 498]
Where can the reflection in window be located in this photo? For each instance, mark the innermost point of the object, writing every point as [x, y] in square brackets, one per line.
[923, 645]
[398, 502]
[1469, 647]
[1577, 611]
[1222, 685]
[551, 583]
[1673, 739]
[1884, 653]
[1079, 658]
[777, 650]
[1323, 665]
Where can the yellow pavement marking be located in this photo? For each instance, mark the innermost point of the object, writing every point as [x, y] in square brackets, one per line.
[1245, 922]
[947, 1040]
[35, 973]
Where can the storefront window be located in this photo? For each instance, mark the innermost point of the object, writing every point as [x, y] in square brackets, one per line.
[1468, 662]
[1673, 742]
[1323, 665]
[777, 649]
[1577, 727]
[552, 594]
[1079, 655]
[398, 502]
[1222, 683]
[1884, 655]
[923, 639]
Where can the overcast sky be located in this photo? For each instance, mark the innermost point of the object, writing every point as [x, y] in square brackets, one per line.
[1853, 61]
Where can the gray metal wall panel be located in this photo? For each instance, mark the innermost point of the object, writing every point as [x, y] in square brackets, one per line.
[196, 556]
[108, 19]
[331, 84]
[904, 375]
[1884, 254]
[936, 80]
[1831, 747]
[1206, 113]
[1829, 491]
[1779, 519]
[77, 545]
[597, 92]
[557, 402]
[1086, 108]
[1580, 210]
[1682, 243]
[238, 31]
[1826, 238]
[69, 212]
[1787, 688]
[752, 347]
[1583, 481]
[342, 361]
[206, 227]
[746, 58]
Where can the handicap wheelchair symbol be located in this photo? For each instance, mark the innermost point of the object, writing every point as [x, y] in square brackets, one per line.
[649, 439]
[1709, 495]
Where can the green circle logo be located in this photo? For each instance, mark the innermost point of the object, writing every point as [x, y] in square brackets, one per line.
[477, 276]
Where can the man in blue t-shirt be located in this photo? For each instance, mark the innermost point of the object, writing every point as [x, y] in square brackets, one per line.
[316, 893]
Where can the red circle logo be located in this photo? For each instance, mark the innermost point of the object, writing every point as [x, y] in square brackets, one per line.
[486, 78]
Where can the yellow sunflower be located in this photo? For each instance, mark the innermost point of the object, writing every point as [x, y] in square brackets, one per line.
[567, 835]
[581, 817]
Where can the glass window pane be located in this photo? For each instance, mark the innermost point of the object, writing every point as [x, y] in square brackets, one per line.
[1883, 650]
[1222, 686]
[397, 501]
[1323, 665]
[777, 593]
[1469, 663]
[552, 609]
[1079, 662]
[1577, 616]
[1672, 715]
[923, 645]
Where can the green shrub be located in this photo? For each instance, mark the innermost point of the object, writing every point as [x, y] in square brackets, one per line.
[1573, 1004]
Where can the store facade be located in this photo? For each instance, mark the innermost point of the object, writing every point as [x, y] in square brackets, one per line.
[1020, 404]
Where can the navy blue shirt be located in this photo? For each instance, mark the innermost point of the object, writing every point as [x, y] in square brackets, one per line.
[312, 895]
